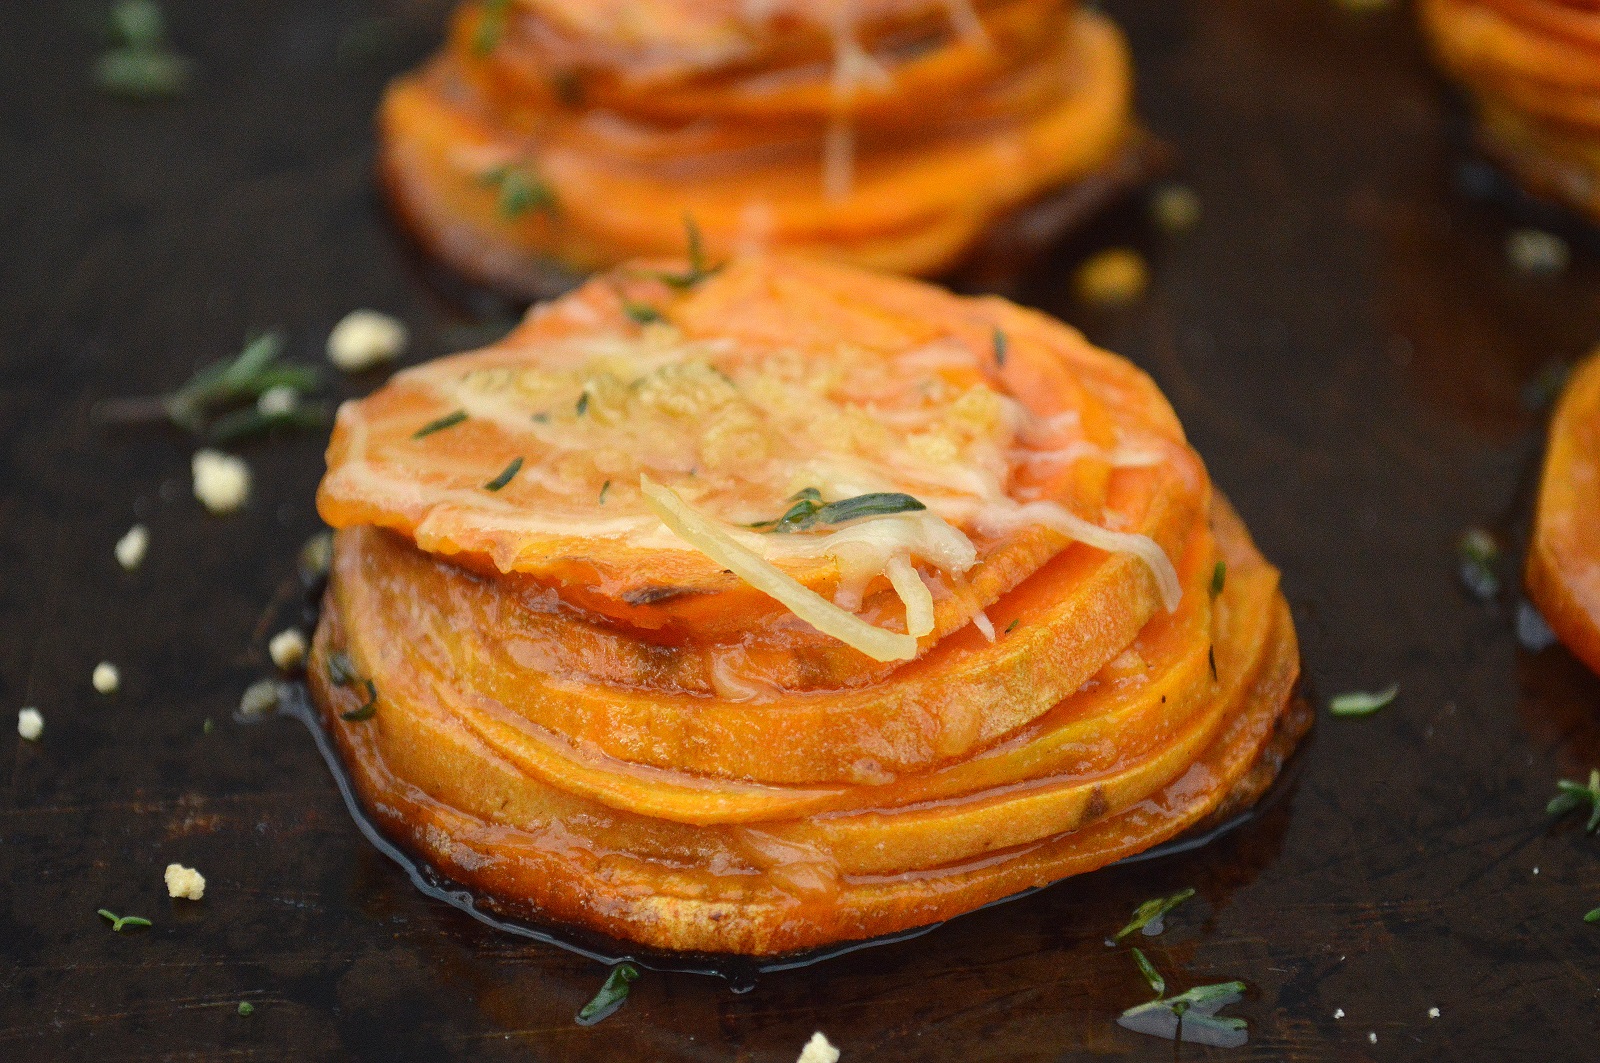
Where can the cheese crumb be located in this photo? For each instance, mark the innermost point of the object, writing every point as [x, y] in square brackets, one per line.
[288, 649]
[1338, 1013]
[1433, 1013]
[30, 724]
[131, 548]
[106, 677]
[363, 339]
[1372, 1038]
[261, 699]
[1537, 252]
[818, 1050]
[185, 882]
[276, 401]
[221, 481]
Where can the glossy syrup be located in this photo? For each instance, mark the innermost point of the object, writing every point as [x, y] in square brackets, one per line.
[740, 972]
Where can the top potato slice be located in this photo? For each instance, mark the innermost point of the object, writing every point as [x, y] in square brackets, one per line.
[772, 386]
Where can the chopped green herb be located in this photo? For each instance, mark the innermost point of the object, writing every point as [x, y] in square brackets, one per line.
[1479, 557]
[315, 558]
[230, 382]
[1211, 656]
[542, 417]
[519, 191]
[505, 475]
[1573, 795]
[808, 510]
[641, 313]
[1158, 984]
[493, 26]
[341, 670]
[582, 406]
[698, 270]
[1013, 625]
[1362, 703]
[1191, 1016]
[252, 421]
[1219, 578]
[367, 709]
[603, 489]
[611, 996]
[208, 726]
[120, 921]
[246, 1008]
[449, 420]
[1592, 917]
[144, 66]
[1000, 345]
[1151, 912]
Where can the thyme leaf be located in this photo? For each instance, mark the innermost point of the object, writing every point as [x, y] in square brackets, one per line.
[1479, 558]
[1001, 343]
[519, 191]
[449, 420]
[120, 921]
[144, 66]
[1158, 984]
[1152, 912]
[244, 378]
[698, 270]
[613, 994]
[1219, 578]
[505, 476]
[1362, 703]
[368, 708]
[1571, 796]
[809, 511]
[641, 313]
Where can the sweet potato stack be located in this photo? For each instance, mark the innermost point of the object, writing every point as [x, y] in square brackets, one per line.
[1533, 70]
[1564, 557]
[758, 609]
[883, 133]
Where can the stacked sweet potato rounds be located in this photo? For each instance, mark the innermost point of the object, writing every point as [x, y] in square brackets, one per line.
[883, 133]
[758, 609]
[1533, 69]
[1564, 558]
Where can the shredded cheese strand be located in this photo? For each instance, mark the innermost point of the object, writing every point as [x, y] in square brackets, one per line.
[1146, 549]
[704, 535]
[914, 593]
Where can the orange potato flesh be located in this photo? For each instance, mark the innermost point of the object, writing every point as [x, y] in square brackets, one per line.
[1012, 127]
[431, 488]
[1564, 558]
[741, 889]
[1533, 67]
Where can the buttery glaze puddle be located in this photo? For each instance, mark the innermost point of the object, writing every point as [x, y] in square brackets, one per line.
[739, 971]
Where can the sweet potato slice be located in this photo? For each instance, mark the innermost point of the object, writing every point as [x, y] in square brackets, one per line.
[1564, 558]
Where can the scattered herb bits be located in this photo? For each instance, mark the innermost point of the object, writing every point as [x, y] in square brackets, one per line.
[246, 1008]
[1592, 917]
[641, 313]
[1158, 984]
[1362, 703]
[613, 994]
[118, 922]
[698, 269]
[144, 65]
[1000, 347]
[449, 420]
[506, 475]
[1191, 1016]
[809, 511]
[1479, 557]
[1219, 578]
[342, 673]
[1571, 796]
[221, 386]
[518, 191]
[1149, 915]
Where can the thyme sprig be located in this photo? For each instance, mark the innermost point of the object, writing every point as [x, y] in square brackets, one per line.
[1188, 1016]
[613, 994]
[520, 191]
[1574, 795]
[1152, 912]
[143, 65]
[342, 673]
[120, 921]
[809, 511]
[1362, 703]
[222, 386]
[698, 269]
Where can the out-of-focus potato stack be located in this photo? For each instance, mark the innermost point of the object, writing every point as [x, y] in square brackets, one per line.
[884, 133]
[1532, 68]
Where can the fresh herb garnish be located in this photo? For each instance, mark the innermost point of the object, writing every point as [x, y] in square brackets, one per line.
[1013, 625]
[611, 996]
[230, 382]
[256, 420]
[449, 420]
[246, 1008]
[1592, 917]
[641, 313]
[1362, 703]
[1148, 916]
[603, 489]
[809, 510]
[493, 26]
[1158, 984]
[1572, 795]
[1191, 1016]
[1219, 578]
[1000, 345]
[519, 191]
[144, 65]
[581, 407]
[698, 270]
[1211, 656]
[505, 475]
[1479, 557]
[342, 673]
[120, 921]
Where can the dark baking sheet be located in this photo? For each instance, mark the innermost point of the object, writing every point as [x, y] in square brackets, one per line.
[1341, 335]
